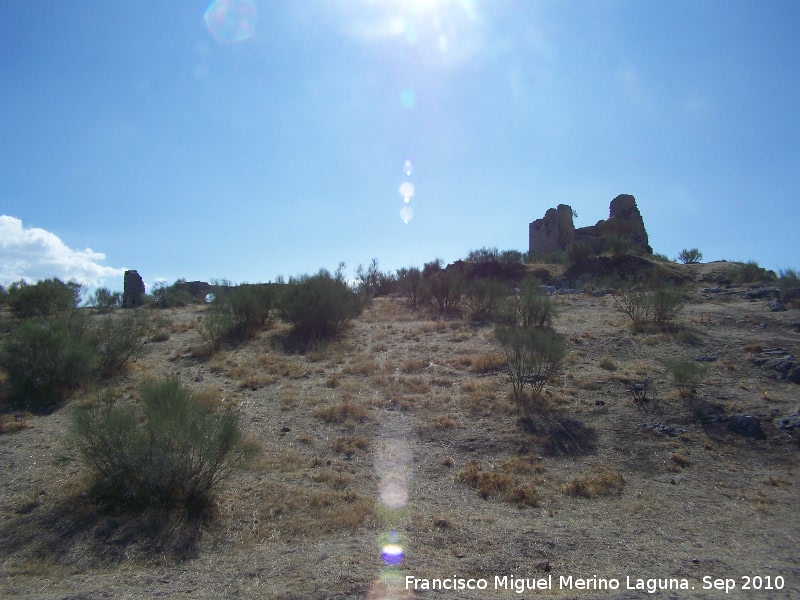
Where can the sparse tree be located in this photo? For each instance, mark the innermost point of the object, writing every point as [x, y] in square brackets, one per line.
[533, 356]
[690, 257]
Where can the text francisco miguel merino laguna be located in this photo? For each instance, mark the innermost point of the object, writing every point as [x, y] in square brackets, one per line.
[522, 584]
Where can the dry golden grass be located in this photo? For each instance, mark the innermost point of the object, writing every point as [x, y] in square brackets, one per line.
[414, 365]
[343, 412]
[499, 484]
[9, 423]
[491, 362]
[350, 445]
[362, 364]
[602, 481]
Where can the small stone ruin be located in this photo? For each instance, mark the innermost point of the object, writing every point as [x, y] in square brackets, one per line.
[133, 290]
[556, 231]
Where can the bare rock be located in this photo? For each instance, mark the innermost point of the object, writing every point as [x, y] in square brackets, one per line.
[746, 425]
[790, 423]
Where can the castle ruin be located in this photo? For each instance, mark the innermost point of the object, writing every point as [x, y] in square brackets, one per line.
[556, 232]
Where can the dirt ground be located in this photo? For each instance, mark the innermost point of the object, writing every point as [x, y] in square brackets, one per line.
[374, 442]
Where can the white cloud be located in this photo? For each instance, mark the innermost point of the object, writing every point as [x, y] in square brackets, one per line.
[33, 254]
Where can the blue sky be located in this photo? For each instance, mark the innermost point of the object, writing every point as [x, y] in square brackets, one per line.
[136, 135]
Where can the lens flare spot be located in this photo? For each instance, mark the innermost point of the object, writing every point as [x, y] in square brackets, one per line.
[389, 586]
[406, 213]
[407, 98]
[394, 491]
[408, 166]
[406, 190]
[231, 21]
[392, 554]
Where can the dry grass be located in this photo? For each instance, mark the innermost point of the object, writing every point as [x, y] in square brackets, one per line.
[363, 365]
[343, 412]
[414, 365]
[9, 423]
[499, 484]
[305, 516]
[492, 362]
[601, 481]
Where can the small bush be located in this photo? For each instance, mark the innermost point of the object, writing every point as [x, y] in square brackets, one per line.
[789, 284]
[687, 375]
[483, 298]
[579, 252]
[373, 282]
[45, 359]
[167, 452]
[409, 282]
[533, 357]
[171, 296]
[661, 304]
[750, 272]
[690, 257]
[104, 300]
[318, 306]
[617, 246]
[121, 339]
[44, 298]
[534, 308]
[443, 290]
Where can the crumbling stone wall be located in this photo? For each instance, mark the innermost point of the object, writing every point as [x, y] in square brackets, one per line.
[553, 232]
[556, 231]
[133, 290]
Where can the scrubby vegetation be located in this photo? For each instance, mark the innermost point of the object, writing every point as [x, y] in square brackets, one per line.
[686, 374]
[166, 452]
[318, 306]
[53, 347]
[45, 298]
[657, 303]
[690, 257]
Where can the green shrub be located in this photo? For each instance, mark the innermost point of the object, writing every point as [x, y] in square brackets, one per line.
[789, 284]
[533, 357]
[617, 246]
[534, 308]
[119, 339]
[104, 300]
[443, 291]
[690, 257]
[373, 282]
[3, 296]
[579, 252]
[409, 283]
[318, 305]
[483, 298]
[45, 359]
[250, 306]
[687, 375]
[659, 304]
[750, 272]
[44, 298]
[166, 452]
[171, 296]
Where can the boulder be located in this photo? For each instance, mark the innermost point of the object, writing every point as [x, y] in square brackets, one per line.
[790, 423]
[746, 425]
